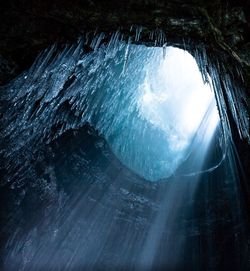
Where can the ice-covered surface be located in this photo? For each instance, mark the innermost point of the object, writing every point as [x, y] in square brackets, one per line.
[149, 119]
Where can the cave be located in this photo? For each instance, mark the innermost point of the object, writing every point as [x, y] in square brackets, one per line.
[124, 135]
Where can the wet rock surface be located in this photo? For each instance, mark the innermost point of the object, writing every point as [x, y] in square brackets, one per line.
[77, 199]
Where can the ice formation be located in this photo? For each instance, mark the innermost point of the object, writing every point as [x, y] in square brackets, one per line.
[148, 107]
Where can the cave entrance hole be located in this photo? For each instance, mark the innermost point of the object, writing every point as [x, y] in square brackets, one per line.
[164, 112]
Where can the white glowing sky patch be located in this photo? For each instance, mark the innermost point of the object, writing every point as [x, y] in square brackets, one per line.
[175, 98]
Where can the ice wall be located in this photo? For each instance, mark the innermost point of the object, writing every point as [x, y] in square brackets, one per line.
[148, 104]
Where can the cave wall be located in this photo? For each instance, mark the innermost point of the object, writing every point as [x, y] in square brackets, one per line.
[28, 27]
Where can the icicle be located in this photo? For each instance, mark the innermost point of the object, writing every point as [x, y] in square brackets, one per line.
[126, 56]
[151, 35]
[87, 38]
[138, 33]
[164, 48]
[95, 42]
[184, 44]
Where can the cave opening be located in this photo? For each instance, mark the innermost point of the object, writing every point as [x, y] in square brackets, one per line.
[171, 108]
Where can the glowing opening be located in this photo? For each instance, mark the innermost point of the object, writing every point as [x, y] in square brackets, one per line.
[176, 96]
[173, 107]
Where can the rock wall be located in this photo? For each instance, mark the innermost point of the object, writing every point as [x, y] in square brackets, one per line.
[27, 26]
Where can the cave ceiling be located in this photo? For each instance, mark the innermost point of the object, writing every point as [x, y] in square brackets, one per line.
[27, 27]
